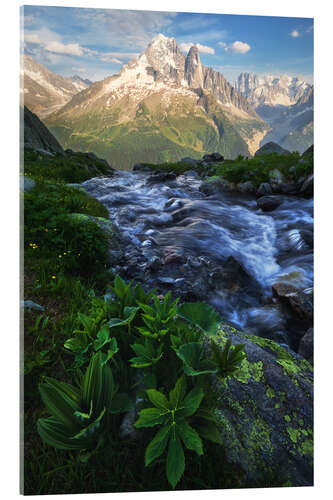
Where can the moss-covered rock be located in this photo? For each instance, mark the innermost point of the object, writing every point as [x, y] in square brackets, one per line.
[265, 413]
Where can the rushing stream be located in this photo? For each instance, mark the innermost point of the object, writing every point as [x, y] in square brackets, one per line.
[220, 248]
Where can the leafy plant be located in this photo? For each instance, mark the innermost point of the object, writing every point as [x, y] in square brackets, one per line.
[79, 415]
[159, 317]
[146, 354]
[194, 362]
[229, 358]
[172, 414]
[200, 315]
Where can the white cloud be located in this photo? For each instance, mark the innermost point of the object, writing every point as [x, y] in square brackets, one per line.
[238, 47]
[222, 44]
[204, 49]
[295, 34]
[109, 59]
[72, 49]
[31, 38]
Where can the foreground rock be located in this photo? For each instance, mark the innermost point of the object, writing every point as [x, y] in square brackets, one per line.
[300, 302]
[37, 135]
[265, 413]
[269, 203]
[306, 346]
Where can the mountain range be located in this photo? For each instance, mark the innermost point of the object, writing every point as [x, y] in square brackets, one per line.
[285, 103]
[44, 91]
[165, 105]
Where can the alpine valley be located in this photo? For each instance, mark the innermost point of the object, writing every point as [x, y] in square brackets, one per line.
[171, 101]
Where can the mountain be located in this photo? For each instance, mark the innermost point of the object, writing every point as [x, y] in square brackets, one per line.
[36, 135]
[44, 91]
[79, 83]
[285, 103]
[160, 107]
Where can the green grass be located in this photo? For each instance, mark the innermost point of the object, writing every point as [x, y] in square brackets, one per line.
[63, 167]
[256, 169]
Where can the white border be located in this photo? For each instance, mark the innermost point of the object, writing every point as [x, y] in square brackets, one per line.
[323, 249]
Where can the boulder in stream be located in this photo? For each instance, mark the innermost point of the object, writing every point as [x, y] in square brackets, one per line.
[265, 412]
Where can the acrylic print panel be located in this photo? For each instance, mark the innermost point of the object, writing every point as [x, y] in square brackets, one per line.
[168, 250]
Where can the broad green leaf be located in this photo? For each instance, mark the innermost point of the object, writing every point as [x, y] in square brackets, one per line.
[191, 354]
[103, 337]
[55, 434]
[178, 392]
[191, 403]
[76, 344]
[140, 362]
[210, 431]
[59, 405]
[175, 461]
[149, 417]
[93, 382]
[129, 313]
[91, 428]
[190, 437]
[201, 315]
[158, 399]
[72, 392]
[157, 445]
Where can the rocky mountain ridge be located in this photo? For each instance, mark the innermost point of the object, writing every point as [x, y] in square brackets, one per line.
[163, 98]
[44, 91]
[285, 103]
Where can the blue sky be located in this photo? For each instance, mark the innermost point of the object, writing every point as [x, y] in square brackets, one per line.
[95, 43]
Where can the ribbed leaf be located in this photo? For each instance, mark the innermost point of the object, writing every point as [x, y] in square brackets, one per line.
[157, 445]
[175, 462]
[158, 399]
[69, 390]
[149, 417]
[93, 382]
[56, 434]
[190, 437]
[91, 428]
[178, 392]
[59, 405]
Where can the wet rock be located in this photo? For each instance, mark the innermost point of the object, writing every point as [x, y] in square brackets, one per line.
[305, 348]
[191, 173]
[155, 263]
[173, 255]
[246, 187]
[161, 177]
[29, 305]
[300, 302]
[143, 167]
[265, 413]
[166, 280]
[214, 186]
[285, 188]
[189, 161]
[264, 189]
[26, 184]
[269, 203]
[173, 204]
[213, 157]
[307, 187]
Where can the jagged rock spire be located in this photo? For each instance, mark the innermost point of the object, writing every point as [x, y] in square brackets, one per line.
[193, 68]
